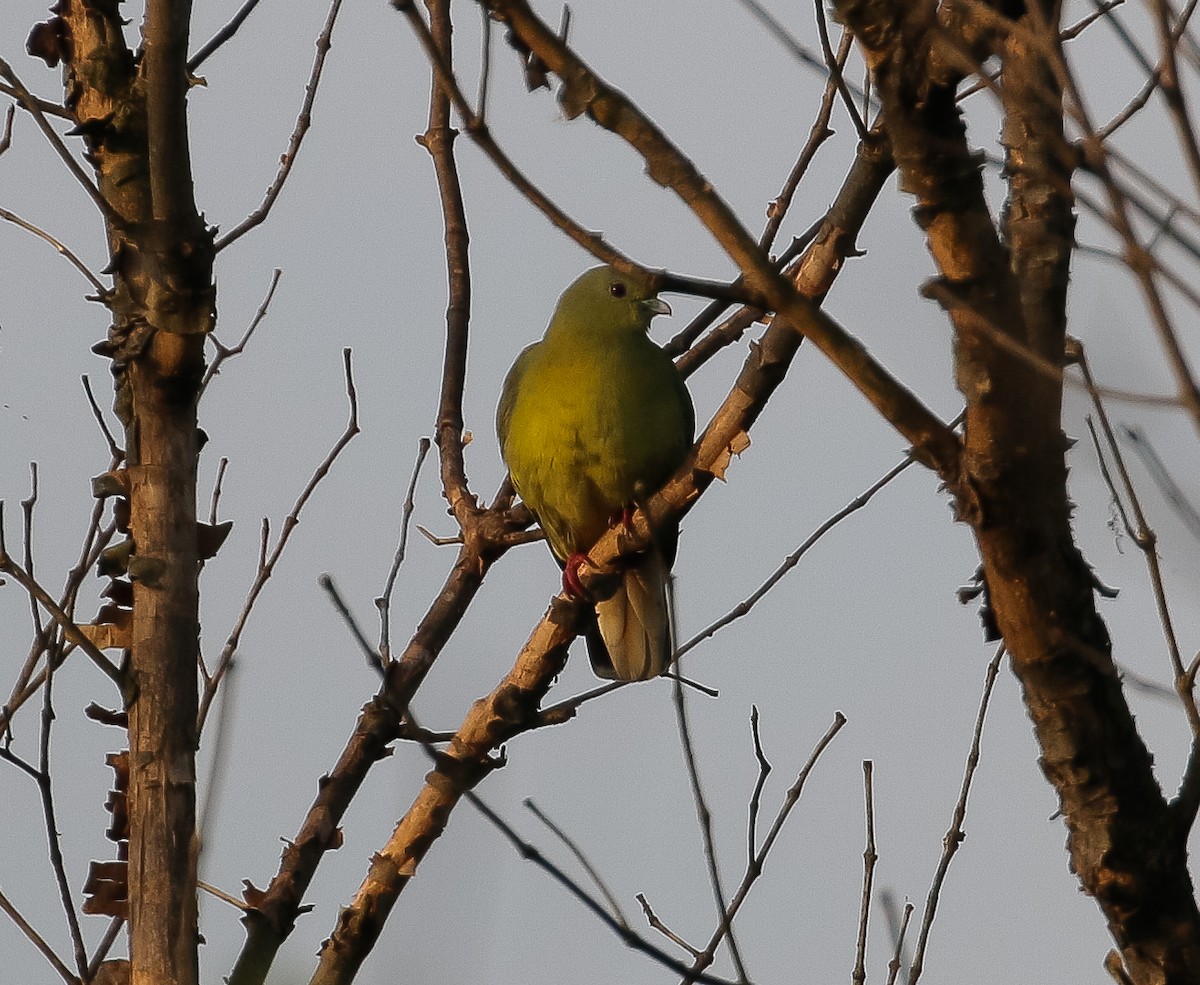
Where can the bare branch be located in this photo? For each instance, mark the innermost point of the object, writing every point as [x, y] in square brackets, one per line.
[859, 976]
[65, 622]
[704, 816]
[303, 121]
[63, 250]
[575, 850]
[384, 602]
[764, 770]
[34, 106]
[39, 942]
[629, 937]
[267, 561]
[755, 868]
[6, 135]
[225, 352]
[744, 607]
[223, 35]
[954, 837]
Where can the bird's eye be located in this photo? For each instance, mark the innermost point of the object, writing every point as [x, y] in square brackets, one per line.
[616, 289]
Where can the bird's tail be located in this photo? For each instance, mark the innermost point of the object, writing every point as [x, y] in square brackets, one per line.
[632, 641]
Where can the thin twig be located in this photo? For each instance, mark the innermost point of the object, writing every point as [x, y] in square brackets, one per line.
[225, 352]
[704, 817]
[384, 602]
[859, 975]
[34, 106]
[476, 128]
[223, 896]
[106, 942]
[65, 622]
[897, 961]
[223, 35]
[755, 868]
[743, 607]
[662, 928]
[329, 587]
[1146, 539]
[834, 65]
[62, 249]
[267, 561]
[6, 137]
[303, 122]
[764, 770]
[628, 935]
[53, 839]
[575, 850]
[954, 837]
[38, 941]
[1162, 477]
[114, 450]
[47, 106]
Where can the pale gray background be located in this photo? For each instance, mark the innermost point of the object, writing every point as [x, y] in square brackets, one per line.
[868, 624]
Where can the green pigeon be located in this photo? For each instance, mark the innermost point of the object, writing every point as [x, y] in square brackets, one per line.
[592, 420]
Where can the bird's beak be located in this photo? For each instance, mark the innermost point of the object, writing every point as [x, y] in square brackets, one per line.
[656, 306]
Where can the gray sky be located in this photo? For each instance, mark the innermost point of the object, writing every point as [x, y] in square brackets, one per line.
[867, 624]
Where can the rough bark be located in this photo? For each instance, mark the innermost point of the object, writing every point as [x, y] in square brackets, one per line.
[1006, 301]
[132, 115]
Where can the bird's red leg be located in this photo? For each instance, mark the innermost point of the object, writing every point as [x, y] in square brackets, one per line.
[571, 584]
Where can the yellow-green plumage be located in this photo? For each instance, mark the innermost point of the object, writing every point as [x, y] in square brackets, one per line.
[591, 419]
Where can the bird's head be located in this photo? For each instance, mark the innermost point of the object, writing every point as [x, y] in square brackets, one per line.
[603, 300]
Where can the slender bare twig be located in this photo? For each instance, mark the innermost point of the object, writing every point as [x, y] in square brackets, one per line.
[225, 352]
[223, 35]
[438, 140]
[1141, 534]
[818, 133]
[384, 602]
[1162, 477]
[704, 817]
[859, 975]
[329, 587]
[34, 106]
[691, 353]
[223, 896]
[105, 945]
[27, 507]
[62, 249]
[6, 136]
[897, 962]
[1076, 29]
[65, 622]
[268, 560]
[834, 65]
[1168, 72]
[38, 940]
[476, 128]
[629, 937]
[303, 122]
[744, 607]
[662, 928]
[764, 770]
[785, 37]
[755, 868]
[954, 837]
[114, 450]
[47, 106]
[485, 61]
[575, 850]
[53, 839]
